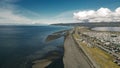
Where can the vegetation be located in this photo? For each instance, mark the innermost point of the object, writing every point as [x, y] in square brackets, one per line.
[103, 59]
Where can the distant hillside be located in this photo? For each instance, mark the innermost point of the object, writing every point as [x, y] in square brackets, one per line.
[102, 24]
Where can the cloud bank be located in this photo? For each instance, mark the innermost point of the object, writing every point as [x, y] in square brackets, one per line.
[9, 15]
[12, 14]
[100, 15]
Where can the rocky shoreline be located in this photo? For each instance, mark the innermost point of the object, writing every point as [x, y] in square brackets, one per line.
[65, 59]
[71, 55]
[52, 59]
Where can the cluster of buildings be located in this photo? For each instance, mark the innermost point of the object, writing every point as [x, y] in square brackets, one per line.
[105, 36]
[109, 42]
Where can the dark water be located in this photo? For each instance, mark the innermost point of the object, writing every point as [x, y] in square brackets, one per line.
[21, 44]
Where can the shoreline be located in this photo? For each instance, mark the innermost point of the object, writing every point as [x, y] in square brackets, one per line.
[50, 60]
[61, 60]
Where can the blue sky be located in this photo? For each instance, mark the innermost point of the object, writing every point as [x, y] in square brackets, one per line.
[52, 7]
[49, 11]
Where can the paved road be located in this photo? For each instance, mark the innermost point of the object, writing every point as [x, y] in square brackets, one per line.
[74, 56]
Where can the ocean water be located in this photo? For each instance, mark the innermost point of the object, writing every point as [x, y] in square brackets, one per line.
[20, 44]
[117, 29]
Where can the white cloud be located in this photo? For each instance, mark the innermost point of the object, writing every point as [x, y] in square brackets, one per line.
[8, 13]
[100, 15]
[7, 16]
[65, 17]
[13, 14]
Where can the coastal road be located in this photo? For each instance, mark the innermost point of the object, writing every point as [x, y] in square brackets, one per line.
[74, 57]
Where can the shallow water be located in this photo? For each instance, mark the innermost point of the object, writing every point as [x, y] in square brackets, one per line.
[22, 44]
[107, 29]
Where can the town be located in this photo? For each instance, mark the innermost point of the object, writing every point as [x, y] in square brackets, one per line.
[104, 40]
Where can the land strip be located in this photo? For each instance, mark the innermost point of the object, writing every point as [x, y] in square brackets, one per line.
[74, 57]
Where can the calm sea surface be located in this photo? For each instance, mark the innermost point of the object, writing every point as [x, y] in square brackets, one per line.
[107, 29]
[20, 44]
